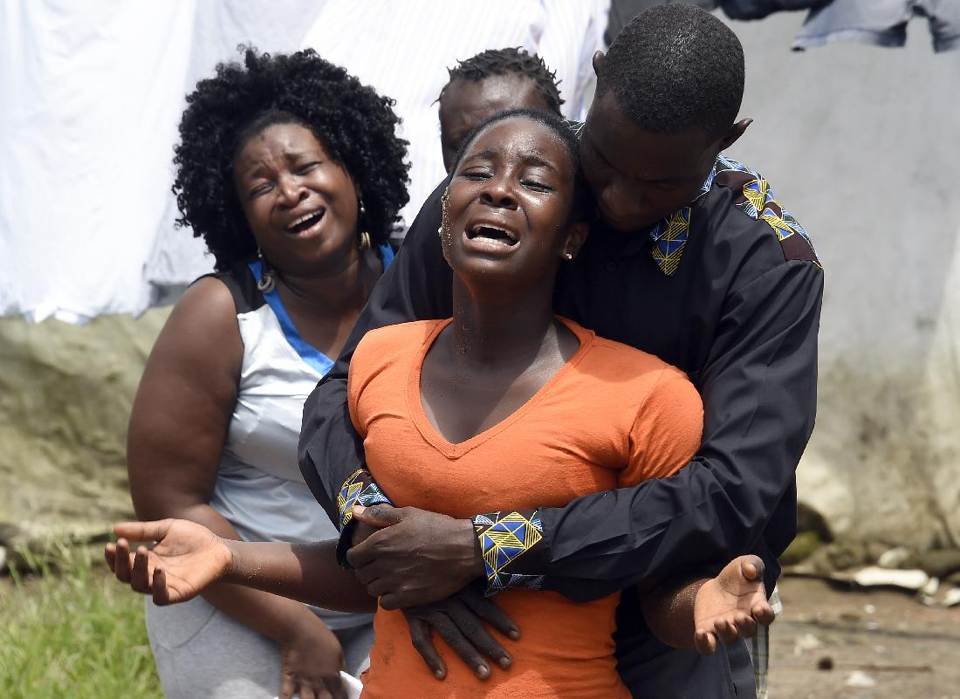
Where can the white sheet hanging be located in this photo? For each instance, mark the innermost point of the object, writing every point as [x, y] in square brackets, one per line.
[92, 93]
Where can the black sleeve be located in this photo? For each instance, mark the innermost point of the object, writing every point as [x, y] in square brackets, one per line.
[760, 389]
[417, 285]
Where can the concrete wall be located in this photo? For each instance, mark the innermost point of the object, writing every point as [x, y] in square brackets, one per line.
[861, 143]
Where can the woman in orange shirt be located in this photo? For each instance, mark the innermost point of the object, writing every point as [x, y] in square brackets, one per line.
[502, 402]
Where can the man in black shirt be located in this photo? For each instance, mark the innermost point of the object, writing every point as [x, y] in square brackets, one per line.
[693, 260]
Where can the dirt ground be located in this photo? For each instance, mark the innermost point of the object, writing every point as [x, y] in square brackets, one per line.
[907, 650]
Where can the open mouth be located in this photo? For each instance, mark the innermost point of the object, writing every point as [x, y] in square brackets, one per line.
[494, 233]
[306, 222]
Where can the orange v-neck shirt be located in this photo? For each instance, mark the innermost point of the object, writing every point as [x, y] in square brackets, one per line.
[612, 416]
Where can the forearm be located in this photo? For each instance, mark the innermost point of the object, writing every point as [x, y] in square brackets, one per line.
[305, 572]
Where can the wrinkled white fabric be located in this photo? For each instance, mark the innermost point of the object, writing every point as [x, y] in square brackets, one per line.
[92, 94]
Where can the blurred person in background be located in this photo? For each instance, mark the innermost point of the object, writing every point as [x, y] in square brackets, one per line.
[291, 172]
[404, 49]
[492, 81]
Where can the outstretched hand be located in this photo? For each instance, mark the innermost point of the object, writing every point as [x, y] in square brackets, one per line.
[729, 606]
[186, 559]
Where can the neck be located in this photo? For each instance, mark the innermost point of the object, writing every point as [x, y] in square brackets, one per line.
[499, 327]
[341, 288]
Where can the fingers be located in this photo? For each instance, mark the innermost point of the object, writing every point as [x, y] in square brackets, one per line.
[142, 531]
[140, 575]
[705, 642]
[306, 692]
[361, 532]
[752, 567]
[423, 642]
[335, 688]
[403, 599]
[472, 628]
[287, 687]
[485, 608]
[367, 574]
[121, 566]
[746, 626]
[365, 553]
[382, 589]
[378, 516]
[161, 593]
[458, 643]
[110, 555]
[726, 630]
[763, 613]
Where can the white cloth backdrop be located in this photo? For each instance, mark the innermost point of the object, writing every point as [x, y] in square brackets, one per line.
[91, 95]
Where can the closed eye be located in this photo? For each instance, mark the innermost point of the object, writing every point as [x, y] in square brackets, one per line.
[260, 189]
[304, 169]
[536, 186]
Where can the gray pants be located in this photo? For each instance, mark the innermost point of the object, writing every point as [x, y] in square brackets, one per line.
[881, 22]
[202, 652]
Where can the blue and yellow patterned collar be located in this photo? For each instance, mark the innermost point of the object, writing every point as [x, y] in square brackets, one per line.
[670, 235]
[752, 194]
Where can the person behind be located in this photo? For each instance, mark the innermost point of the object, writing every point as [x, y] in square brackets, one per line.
[493, 81]
[405, 54]
[693, 260]
[291, 172]
[503, 375]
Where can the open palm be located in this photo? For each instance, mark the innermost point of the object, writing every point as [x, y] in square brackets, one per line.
[731, 605]
[186, 558]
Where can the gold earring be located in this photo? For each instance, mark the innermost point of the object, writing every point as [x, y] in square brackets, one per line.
[267, 282]
[365, 242]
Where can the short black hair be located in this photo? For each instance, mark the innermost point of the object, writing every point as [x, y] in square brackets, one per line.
[675, 67]
[582, 205]
[354, 123]
[509, 61]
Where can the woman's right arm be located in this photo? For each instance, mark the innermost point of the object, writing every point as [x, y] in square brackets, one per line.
[187, 559]
[178, 427]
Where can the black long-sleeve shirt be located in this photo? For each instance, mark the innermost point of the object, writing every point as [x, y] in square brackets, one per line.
[729, 290]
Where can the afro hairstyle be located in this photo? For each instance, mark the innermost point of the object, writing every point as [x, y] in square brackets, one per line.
[355, 124]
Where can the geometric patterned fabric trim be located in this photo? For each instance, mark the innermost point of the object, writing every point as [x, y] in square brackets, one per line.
[504, 538]
[756, 199]
[358, 489]
[670, 235]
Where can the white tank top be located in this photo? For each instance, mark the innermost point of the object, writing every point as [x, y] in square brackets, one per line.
[259, 488]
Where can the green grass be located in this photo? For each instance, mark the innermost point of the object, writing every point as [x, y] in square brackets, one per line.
[71, 631]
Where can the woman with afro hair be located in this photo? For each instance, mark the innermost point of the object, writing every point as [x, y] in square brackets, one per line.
[290, 170]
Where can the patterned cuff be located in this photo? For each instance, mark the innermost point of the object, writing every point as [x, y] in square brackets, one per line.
[358, 489]
[513, 549]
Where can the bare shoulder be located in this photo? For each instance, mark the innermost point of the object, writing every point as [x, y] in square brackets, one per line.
[201, 335]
